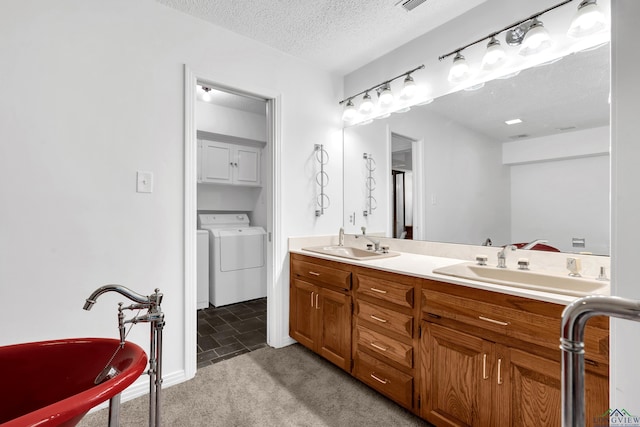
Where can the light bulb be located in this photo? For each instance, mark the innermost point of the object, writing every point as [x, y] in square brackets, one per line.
[409, 89]
[494, 56]
[386, 96]
[536, 40]
[366, 107]
[349, 112]
[206, 97]
[459, 70]
[588, 20]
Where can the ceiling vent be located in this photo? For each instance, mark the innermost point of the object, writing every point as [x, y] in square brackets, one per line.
[409, 5]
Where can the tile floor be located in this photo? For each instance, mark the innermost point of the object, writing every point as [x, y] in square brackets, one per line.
[231, 330]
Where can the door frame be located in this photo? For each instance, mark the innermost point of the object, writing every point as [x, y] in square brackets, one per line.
[275, 316]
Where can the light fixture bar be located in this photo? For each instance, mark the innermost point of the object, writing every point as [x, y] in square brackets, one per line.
[508, 27]
[406, 73]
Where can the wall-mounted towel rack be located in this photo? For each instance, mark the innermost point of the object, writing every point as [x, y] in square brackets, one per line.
[370, 184]
[322, 179]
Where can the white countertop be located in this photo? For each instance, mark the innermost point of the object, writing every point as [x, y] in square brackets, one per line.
[420, 265]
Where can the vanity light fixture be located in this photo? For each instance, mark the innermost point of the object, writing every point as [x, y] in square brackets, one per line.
[206, 96]
[385, 97]
[349, 112]
[409, 89]
[459, 70]
[528, 33]
[588, 20]
[536, 40]
[366, 106]
[494, 56]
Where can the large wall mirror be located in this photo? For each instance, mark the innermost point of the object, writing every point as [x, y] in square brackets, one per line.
[454, 171]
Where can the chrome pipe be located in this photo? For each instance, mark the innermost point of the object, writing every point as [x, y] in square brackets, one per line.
[114, 411]
[158, 327]
[574, 319]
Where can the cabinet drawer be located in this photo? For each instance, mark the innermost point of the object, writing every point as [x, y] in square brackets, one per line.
[386, 290]
[390, 320]
[528, 320]
[321, 274]
[385, 346]
[389, 381]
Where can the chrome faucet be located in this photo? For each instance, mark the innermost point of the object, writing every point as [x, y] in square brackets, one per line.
[531, 245]
[155, 317]
[376, 243]
[341, 237]
[502, 256]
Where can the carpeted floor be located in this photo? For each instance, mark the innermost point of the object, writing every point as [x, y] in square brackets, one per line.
[268, 387]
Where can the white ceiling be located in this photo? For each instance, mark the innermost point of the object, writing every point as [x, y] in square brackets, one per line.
[336, 35]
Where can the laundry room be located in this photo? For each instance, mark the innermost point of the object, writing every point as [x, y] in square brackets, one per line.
[232, 241]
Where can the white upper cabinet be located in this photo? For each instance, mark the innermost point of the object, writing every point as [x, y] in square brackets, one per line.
[224, 163]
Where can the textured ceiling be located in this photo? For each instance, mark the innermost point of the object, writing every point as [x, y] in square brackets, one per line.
[337, 35]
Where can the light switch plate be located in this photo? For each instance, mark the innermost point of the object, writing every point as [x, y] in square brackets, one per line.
[144, 182]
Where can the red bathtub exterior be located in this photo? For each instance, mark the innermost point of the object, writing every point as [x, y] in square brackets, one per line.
[51, 383]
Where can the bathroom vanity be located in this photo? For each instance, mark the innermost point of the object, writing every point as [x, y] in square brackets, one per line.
[452, 354]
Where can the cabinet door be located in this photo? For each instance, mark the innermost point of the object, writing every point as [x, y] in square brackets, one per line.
[247, 171]
[216, 162]
[334, 342]
[535, 390]
[302, 313]
[456, 371]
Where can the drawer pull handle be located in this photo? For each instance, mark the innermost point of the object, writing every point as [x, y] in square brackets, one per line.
[497, 322]
[499, 372]
[378, 319]
[380, 291]
[484, 367]
[383, 381]
[312, 298]
[379, 347]
[313, 273]
[317, 307]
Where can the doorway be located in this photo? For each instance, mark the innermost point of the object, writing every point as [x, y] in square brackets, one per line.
[270, 197]
[402, 186]
[232, 138]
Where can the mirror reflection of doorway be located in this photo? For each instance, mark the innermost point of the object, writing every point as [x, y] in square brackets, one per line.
[402, 186]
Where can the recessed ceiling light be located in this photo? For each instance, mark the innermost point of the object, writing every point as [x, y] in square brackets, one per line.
[513, 122]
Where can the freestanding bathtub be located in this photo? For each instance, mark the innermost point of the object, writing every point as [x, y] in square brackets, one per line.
[51, 383]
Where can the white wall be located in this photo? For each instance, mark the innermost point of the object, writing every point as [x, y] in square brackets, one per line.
[92, 91]
[625, 203]
[562, 199]
[229, 121]
[560, 189]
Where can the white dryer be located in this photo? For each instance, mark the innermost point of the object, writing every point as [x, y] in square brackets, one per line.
[237, 267]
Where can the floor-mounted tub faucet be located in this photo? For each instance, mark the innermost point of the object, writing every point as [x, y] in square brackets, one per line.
[502, 256]
[530, 245]
[155, 317]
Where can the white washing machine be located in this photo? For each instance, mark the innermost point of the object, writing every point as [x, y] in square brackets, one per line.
[237, 258]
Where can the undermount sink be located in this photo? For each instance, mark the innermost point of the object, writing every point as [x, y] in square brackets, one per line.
[578, 286]
[350, 252]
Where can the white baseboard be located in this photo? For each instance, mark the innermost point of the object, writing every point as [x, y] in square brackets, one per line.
[141, 387]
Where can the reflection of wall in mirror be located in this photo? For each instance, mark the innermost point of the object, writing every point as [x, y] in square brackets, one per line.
[560, 189]
[368, 139]
[466, 191]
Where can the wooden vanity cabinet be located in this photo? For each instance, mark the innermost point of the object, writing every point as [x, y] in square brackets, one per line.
[320, 308]
[490, 359]
[385, 333]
